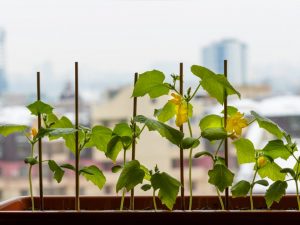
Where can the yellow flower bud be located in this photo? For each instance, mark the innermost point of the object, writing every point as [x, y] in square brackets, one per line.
[34, 132]
[261, 161]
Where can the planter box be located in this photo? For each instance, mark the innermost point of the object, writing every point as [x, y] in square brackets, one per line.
[105, 210]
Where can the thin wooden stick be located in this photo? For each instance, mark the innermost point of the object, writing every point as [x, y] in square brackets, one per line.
[77, 200]
[134, 113]
[181, 149]
[226, 139]
[38, 84]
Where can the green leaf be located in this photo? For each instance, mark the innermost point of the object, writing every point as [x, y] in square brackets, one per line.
[262, 182]
[39, 107]
[68, 166]
[173, 135]
[114, 147]
[95, 175]
[190, 142]
[268, 125]
[276, 149]
[151, 83]
[146, 187]
[58, 173]
[240, 189]
[54, 132]
[297, 169]
[275, 192]
[168, 188]
[272, 171]
[122, 130]
[220, 176]
[214, 133]
[216, 85]
[131, 175]
[205, 153]
[31, 160]
[211, 121]
[245, 151]
[289, 171]
[116, 169]
[231, 110]
[147, 173]
[166, 113]
[7, 129]
[101, 136]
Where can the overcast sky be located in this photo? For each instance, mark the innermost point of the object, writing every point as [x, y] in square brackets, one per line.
[121, 37]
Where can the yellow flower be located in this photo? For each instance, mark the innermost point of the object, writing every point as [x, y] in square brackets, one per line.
[33, 132]
[235, 124]
[181, 109]
[261, 161]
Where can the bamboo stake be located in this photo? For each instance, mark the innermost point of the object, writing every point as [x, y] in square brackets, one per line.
[226, 139]
[134, 138]
[77, 200]
[181, 149]
[38, 82]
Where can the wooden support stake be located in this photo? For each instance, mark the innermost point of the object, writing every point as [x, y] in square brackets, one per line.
[226, 139]
[134, 113]
[181, 149]
[40, 145]
[77, 200]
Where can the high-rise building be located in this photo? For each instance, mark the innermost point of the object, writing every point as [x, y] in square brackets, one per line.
[236, 54]
[3, 84]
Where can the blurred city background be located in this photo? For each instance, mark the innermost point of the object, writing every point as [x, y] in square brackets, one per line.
[112, 40]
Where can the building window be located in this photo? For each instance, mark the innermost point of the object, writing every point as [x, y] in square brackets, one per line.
[23, 192]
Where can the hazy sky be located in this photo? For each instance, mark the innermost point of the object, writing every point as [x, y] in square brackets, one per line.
[121, 37]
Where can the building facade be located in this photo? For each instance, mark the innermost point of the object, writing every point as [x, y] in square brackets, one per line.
[3, 83]
[235, 52]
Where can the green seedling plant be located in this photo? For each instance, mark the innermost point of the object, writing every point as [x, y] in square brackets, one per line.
[265, 165]
[153, 83]
[45, 110]
[167, 186]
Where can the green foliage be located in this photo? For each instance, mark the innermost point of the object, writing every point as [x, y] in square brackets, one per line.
[116, 169]
[220, 176]
[272, 171]
[68, 166]
[7, 129]
[213, 134]
[58, 173]
[275, 192]
[289, 171]
[190, 142]
[131, 175]
[204, 153]
[268, 125]
[147, 172]
[173, 135]
[211, 121]
[231, 110]
[166, 113]
[216, 85]
[245, 151]
[31, 160]
[94, 174]
[240, 189]
[151, 83]
[146, 187]
[276, 149]
[262, 182]
[39, 107]
[114, 147]
[168, 188]
[100, 137]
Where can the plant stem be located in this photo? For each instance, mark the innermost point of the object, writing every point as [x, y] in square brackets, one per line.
[251, 190]
[154, 201]
[30, 187]
[220, 199]
[297, 188]
[190, 169]
[124, 189]
[219, 147]
[196, 90]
